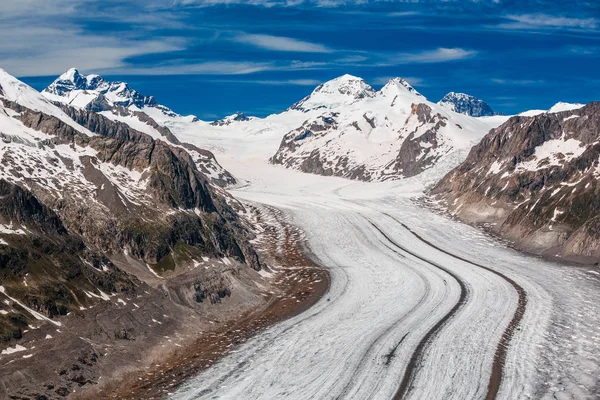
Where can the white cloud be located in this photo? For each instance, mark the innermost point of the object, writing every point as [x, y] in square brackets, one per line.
[517, 82]
[544, 21]
[37, 8]
[274, 3]
[433, 56]
[295, 82]
[202, 68]
[280, 43]
[42, 51]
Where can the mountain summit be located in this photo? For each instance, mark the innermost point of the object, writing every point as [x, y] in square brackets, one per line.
[94, 92]
[463, 103]
[345, 89]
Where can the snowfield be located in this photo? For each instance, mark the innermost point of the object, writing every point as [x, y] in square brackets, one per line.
[419, 307]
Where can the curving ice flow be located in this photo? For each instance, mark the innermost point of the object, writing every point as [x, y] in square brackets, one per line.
[408, 305]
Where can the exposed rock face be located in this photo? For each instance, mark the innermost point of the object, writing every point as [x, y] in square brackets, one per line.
[418, 151]
[537, 179]
[466, 104]
[49, 268]
[119, 103]
[237, 117]
[171, 179]
[78, 190]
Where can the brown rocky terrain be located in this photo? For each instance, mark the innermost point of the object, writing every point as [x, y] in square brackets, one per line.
[116, 249]
[535, 181]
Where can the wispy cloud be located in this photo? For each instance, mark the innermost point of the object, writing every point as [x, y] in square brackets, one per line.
[280, 43]
[202, 68]
[545, 21]
[517, 82]
[433, 56]
[403, 13]
[221, 67]
[294, 82]
[25, 54]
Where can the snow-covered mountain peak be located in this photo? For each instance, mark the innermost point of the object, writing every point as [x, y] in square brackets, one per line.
[348, 85]
[463, 103]
[562, 106]
[12, 89]
[396, 86]
[400, 87]
[558, 107]
[345, 89]
[79, 90]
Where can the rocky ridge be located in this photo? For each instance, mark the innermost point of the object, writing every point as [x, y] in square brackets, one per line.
[535, 179]
[120, 103]
[92, 209]
[466, 104]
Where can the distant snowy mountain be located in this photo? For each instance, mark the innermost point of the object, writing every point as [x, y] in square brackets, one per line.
[94, 92]
[353, 131]
[237, 117]
[344, 90]
[466, 104]
[118, 102]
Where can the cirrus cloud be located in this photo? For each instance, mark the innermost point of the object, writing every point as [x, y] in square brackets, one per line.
[280, 43]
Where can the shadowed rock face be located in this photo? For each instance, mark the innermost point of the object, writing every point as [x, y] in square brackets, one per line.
[414, 155]
[416, 152]
[177, 203]
[57, 266]
[537, 179]
[466, 104]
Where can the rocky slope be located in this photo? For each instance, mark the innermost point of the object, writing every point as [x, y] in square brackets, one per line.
[353, 131]
[92, 209]
[118, 102]
[466, 104]
[535, 179]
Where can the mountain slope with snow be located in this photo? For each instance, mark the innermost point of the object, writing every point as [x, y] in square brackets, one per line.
[558, 107]
[466, 104]
[353, 131]
[114, 192]
[536, 178]
[120, 103]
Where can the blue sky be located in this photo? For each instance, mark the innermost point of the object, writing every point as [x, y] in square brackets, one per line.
[215, 57]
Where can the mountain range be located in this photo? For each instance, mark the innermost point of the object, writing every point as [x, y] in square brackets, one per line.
[107, 196]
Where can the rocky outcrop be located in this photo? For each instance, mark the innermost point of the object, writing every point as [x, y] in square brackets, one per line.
[237, 117]
[51, 270]
[466, 104]
[536, 179]
[354, 132]
[418, 150]
[175, 203]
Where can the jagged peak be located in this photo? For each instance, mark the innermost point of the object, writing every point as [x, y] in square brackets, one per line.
[237, 117]
[71, 74]
[467, 104]
[396, 85]
[70, 83]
